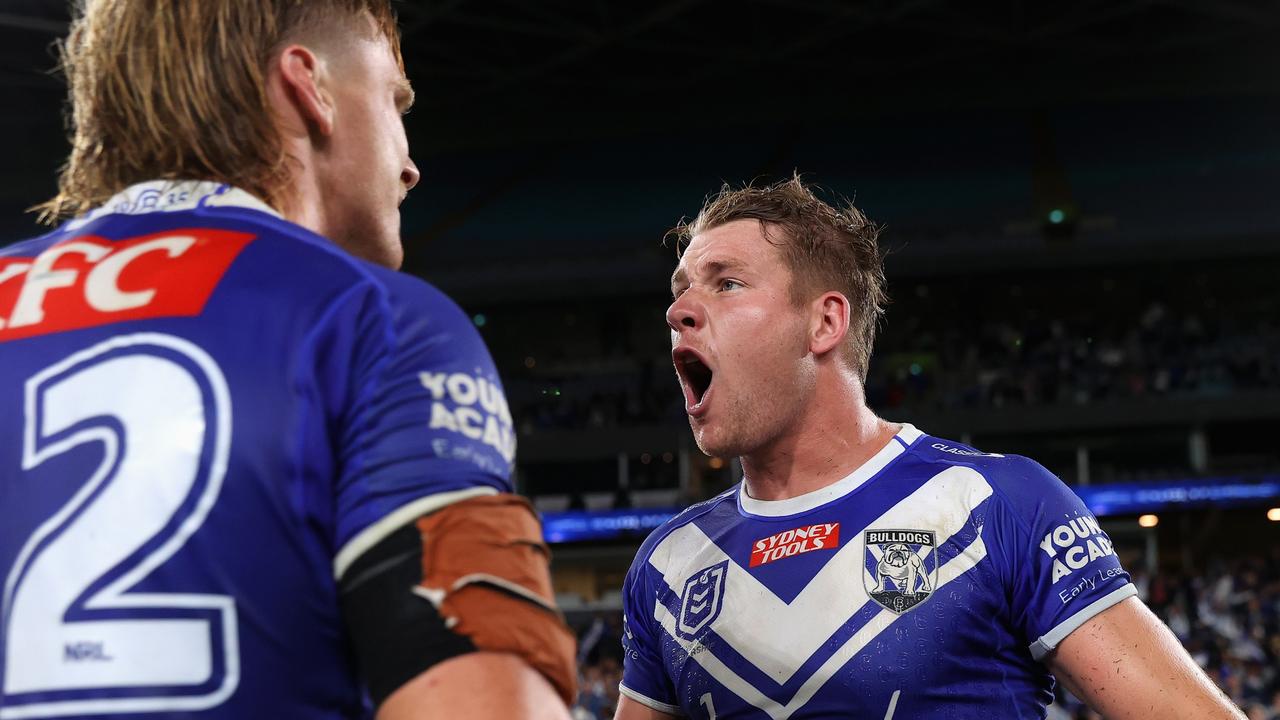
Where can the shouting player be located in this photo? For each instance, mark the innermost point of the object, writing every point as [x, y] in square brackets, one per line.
[861, 569]
[246, 469]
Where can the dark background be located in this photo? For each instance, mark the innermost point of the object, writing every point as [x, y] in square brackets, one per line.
[1079, 200]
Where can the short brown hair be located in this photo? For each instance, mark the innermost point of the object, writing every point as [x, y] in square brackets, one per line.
[176, 89]
[825, 247]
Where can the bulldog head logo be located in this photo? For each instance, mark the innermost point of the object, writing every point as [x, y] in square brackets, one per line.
[902, 569]
[701, 600]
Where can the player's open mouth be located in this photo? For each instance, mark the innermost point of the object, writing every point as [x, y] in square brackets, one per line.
[695, 379]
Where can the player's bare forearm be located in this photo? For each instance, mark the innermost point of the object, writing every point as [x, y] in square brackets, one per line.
[477, 686]
[629, 709]
[1124, 663]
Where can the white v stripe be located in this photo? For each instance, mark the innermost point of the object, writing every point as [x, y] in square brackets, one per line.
[958, 566]
[779, 637]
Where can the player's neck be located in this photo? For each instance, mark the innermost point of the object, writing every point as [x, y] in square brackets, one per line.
[827, 444]
[303, 204]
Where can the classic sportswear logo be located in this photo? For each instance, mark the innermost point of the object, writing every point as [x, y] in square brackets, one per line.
[797, 541]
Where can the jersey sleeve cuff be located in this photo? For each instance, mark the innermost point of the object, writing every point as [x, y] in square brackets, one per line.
[1047, 642]
[650, 702]
[380, 530]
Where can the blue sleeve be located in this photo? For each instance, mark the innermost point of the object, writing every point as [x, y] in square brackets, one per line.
[644, 677]
[1060, 567]
[421, 420]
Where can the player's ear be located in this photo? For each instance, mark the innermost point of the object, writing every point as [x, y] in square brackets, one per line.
[305, 84]
[830, 322]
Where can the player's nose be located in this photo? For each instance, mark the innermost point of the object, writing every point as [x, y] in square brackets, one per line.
[684, 313]
[410, 175]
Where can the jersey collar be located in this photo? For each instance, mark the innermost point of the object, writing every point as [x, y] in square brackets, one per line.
[173, 195]
[810, 500]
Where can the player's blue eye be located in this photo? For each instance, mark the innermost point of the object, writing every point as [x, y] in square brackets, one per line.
[729, 284]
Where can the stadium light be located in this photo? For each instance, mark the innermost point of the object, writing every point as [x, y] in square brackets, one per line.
[1056, 216]
[1148, 521]
[1274, 514]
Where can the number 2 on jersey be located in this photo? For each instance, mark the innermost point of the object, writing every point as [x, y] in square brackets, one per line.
[75, 639]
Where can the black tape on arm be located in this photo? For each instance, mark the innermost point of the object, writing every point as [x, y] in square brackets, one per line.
[397, 634]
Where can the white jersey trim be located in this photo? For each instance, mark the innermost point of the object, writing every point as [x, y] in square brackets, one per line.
[171, 196]
[396, 519]
[1047, 642]
[836, 490]
[650, 702]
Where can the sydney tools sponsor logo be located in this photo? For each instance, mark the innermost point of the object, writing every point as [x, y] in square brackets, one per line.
[789, 543]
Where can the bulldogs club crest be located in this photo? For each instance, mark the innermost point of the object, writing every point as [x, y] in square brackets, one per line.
[902, 567]
[701, 600]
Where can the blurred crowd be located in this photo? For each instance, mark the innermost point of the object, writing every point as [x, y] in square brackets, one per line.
[924, 361]
[1227, 616]
[991, 363]
[599, 667]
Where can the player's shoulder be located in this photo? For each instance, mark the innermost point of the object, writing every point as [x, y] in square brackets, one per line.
[1002, 470]
[681, 519]
[1020, 486]
[395, 293]
[409, 293]
[29, 246]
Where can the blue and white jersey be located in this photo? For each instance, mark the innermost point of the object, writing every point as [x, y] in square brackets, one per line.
[928, 583]
[206, 414]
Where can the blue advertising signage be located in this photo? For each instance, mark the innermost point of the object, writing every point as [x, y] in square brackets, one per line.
[1103, 500]
[576, 525]
[1134, 498]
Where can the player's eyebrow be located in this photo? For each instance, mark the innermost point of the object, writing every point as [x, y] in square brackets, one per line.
[404, 95]
[707, 269]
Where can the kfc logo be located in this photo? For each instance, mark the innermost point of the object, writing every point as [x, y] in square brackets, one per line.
[88, 281]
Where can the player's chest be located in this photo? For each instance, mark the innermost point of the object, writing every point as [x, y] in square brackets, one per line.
[775, 611]
[833, 646]
[874, 599]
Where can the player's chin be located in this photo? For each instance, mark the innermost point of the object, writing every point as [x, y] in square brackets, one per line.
[389, 251]
[712, 440]
[394, 255]
[393, 245]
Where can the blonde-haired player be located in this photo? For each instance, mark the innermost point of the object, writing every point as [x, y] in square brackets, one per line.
[246, 469]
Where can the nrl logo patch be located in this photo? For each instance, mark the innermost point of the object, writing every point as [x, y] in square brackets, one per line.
[902, 567]
[701, 600]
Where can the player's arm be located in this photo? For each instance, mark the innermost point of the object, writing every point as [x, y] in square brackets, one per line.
[476, 685]
[629, 709]
[646, 691]
[443, 573]
[1073, 602]
[1124, 663]
[452, 616]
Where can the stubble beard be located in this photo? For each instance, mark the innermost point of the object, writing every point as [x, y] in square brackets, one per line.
[746, 427]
